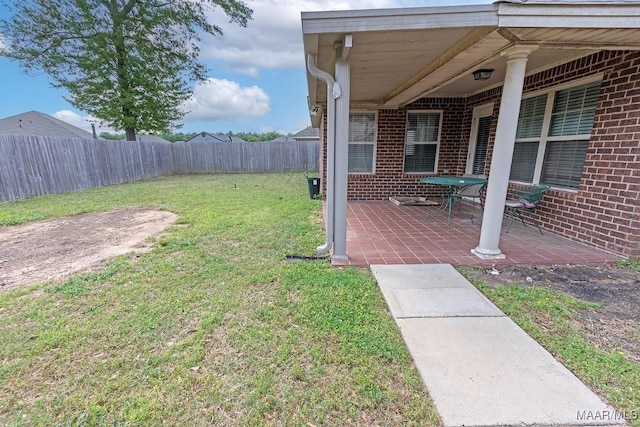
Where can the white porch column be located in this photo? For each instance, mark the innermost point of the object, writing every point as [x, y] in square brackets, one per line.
[503, 153]
[343, 78]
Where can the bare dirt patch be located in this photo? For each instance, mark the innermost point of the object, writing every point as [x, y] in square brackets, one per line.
[616, 326]
[55, 249]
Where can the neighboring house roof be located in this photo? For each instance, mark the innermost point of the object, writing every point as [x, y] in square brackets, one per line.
[283, 139]
[150, 138]
[39, 124]
[211, 137]
[307, 133]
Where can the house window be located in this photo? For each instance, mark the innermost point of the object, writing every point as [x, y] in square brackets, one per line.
[553, 136]
[362, 140]
[421, 141]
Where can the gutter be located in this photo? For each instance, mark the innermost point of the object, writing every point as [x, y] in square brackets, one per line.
[333, 92]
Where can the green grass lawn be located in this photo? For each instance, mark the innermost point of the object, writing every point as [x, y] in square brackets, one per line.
[212, 327]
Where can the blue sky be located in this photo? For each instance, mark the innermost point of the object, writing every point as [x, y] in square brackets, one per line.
[257, 80]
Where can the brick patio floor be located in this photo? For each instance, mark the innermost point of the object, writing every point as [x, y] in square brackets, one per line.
[380, 232]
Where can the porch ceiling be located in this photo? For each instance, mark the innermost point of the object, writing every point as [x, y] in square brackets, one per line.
[400, 55]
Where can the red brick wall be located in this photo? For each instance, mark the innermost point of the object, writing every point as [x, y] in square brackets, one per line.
[389, 178]
[605, 211]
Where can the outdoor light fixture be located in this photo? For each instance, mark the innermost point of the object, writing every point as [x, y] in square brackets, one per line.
[484, 74]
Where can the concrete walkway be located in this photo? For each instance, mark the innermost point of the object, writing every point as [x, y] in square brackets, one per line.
[479, 367]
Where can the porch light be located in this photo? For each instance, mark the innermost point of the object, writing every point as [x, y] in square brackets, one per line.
[484, 74]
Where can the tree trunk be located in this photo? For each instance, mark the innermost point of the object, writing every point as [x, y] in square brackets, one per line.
[131, 134]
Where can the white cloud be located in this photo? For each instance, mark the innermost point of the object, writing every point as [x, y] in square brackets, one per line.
[82, 122]
[214, 99]
[273, 38]
[219, 99]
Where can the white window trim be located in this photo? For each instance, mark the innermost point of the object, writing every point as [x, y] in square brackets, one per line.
[544, 132]
[437, 143]
[479, 112]
[374, 143]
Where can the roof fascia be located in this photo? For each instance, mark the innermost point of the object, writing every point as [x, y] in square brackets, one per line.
[399, 19]
[581, 15]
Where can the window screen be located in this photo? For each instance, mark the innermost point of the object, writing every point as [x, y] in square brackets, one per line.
[422, 160]
[362, 127]
[523, 164]
[482, 145]
[563, 163]
[531, 117]
[425, 125]
[360, 158]
[574, 110]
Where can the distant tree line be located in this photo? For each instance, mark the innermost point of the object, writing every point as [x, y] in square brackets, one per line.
[255, 137]
[173, 137]
[181, 136]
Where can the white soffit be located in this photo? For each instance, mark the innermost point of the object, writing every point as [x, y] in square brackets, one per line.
[459, 64]
[387, 61]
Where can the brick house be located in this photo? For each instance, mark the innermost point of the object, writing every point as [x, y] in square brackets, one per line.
[395, 97]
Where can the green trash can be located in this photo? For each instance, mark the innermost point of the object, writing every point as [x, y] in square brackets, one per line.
[314, 186]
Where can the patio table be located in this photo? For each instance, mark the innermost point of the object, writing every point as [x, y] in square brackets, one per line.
[452, 183]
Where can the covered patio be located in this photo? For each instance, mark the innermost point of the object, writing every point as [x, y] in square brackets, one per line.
[380, 232]
[522, 92]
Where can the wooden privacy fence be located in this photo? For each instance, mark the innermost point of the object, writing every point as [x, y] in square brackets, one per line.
[239, 157]
[34, 166]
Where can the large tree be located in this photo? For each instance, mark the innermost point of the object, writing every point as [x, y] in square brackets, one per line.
[130, 63]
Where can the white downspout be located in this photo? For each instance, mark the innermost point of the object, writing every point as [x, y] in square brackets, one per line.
[333, 93]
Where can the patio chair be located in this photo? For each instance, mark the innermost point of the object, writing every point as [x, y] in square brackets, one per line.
[468, 193]
[525, 199]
